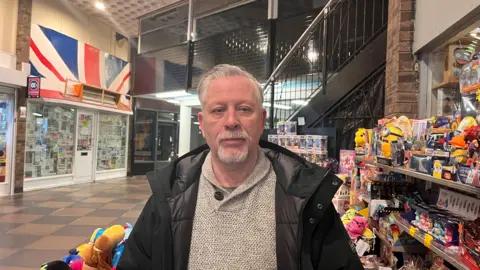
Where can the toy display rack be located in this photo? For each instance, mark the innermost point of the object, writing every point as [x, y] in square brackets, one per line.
[420, 236]
[426, 239]
[447, 183]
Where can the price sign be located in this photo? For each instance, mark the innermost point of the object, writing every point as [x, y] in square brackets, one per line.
[428, 240]
[412, 231]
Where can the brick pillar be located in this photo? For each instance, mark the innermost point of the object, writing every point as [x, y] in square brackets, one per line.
[401, 86]
[22, 50]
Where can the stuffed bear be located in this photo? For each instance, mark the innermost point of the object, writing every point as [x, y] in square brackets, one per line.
[99, 255]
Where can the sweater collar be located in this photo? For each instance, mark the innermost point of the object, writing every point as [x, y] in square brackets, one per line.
[296, 176]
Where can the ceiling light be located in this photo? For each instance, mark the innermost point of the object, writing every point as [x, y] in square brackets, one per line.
[100, 5]
[300, 102]
[277, 106]
[37, 114]
[196, 123]
[173, 101]
[172, 94]
[475, 35]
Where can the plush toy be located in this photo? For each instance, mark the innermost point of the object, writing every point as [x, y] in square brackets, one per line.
[72, 256]
[119, 249]
[348, 216]
[360, 140]
[98, 256]
[55, 265]
[356, 227]
[76, 264]
[390, 135]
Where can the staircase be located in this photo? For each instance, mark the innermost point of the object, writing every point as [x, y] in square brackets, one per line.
[340, 52]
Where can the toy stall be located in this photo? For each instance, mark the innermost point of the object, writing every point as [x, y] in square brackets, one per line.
[416, 183]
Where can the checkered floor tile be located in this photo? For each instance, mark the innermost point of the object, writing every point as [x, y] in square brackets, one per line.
[41, 226]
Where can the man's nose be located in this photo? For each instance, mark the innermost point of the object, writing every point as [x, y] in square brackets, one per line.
[232, 120]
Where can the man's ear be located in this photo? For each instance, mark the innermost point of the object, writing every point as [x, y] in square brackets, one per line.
[264, 116]
[200, 121]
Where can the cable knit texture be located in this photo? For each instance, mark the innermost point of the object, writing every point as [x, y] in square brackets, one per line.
[237, 232]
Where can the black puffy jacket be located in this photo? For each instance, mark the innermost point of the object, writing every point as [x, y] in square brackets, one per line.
[310, 234]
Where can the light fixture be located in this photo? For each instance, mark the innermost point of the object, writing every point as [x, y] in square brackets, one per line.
[37, 114]
[475, 35]
[277, 106]
[300, 102]
[173, 101]
[100, 5]
[196, 123]
[172, 94]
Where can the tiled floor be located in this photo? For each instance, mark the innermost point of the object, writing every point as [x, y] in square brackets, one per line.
[41, 226]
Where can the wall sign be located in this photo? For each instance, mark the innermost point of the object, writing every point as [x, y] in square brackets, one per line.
[33, 87]
[23, 112]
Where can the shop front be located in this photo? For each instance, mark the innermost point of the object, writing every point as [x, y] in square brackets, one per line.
[69, 144]
[11, 80]
[78, 124]
[7, 139]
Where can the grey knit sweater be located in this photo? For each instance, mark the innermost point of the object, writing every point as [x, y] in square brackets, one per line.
[237, 232]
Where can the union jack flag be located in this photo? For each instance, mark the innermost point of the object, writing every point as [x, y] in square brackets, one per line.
[56, 57]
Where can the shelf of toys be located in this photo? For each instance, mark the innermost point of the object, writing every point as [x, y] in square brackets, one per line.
[398, 161]
[313, 148]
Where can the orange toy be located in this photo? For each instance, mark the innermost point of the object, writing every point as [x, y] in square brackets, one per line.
[99, 255]
[458, 141]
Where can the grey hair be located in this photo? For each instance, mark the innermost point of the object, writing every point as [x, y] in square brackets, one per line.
[225, 70]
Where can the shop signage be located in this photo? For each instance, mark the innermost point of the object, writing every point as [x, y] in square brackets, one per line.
[33, 87]
[23, 112]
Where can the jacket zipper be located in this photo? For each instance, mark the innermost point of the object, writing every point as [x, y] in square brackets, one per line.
[300, 229]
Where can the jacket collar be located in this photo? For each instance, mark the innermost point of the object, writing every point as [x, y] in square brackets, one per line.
[296, 176]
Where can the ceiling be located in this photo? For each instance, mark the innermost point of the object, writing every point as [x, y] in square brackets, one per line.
[122, 15]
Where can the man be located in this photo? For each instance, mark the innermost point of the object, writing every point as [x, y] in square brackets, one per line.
[238, 203]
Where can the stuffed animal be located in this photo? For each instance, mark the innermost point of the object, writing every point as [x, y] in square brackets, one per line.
[356, 226]
[55, 265]
[348, 216]
[119, 249]
[72, 256]
[390, 135]
[98, 256]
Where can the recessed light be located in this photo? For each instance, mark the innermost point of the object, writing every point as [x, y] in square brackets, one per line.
[100, 5]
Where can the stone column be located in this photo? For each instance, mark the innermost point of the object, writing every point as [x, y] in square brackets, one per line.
[401, 86]
[22, 50]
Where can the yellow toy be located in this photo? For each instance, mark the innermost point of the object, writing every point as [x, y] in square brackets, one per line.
[390, 135]
[348, 216]
[360, 140]
[98, 255]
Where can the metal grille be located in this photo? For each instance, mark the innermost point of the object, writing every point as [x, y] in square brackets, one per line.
[170, 69]
[332, 43]
[363, 107]
[238, 36]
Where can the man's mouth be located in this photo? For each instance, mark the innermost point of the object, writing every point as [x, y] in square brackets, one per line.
[233, 141]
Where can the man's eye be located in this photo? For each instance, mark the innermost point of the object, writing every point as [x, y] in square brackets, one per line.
[217, 110]
[244, 109]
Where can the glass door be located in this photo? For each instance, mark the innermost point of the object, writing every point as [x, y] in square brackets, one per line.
[84, 151]
[144, 136]
[166, 140]
[6, 142]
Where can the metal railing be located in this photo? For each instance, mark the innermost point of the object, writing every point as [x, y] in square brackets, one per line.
[337, 34]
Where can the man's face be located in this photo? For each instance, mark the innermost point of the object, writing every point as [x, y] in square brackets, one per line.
[232, 118]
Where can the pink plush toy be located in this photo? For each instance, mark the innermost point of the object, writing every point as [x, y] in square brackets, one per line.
[77, 264]
[356, 226]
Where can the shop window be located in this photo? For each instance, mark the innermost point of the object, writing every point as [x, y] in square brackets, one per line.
[49, 146]
[455, 76]
[112, 141]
